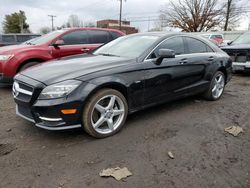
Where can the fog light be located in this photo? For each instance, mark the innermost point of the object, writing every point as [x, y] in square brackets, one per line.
[69, 111]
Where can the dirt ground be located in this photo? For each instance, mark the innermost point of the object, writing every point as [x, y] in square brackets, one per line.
[192, 129]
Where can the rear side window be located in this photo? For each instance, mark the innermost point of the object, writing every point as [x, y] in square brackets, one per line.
[8, 38]
[197, 46]
[76, 37]
[115, 35]
[98, 37]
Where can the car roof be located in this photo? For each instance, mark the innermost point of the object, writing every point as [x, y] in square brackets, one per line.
[91, 28]
[166, 34]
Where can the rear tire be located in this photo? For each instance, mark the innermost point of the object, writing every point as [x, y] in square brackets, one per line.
[105, 113]
[216, 87]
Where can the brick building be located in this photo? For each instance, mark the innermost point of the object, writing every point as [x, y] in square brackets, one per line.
[114, 24]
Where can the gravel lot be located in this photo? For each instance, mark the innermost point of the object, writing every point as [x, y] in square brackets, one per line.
[192, 129]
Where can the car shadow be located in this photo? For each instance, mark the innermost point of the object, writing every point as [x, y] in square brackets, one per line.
[152, 112]
[161, 108]
[242, 74]
[132, 118]
[5, 88]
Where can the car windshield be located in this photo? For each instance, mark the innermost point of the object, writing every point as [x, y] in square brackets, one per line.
[128, 46]
[46, 38]
[30, 41]
[243, 39]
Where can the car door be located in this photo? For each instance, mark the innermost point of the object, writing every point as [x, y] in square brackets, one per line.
[164, 81]
[198, 57]
[75, 42]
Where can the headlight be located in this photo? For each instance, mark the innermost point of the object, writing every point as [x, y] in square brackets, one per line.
[5, 57]
[59, 90]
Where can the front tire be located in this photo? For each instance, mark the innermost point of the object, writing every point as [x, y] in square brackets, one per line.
[105, 113]
[216, 88]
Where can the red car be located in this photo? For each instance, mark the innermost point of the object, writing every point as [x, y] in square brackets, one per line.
[56, 44]
[218, 39]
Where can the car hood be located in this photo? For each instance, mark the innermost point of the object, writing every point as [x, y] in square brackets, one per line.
[72, 68]
[13, 49]
[236, 47]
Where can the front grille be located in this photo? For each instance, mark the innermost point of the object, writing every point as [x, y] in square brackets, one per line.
[239, 55]
[26, 87]
[22, 91]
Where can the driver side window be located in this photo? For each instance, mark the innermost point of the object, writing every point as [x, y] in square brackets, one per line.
[175, 44]
[76, 37]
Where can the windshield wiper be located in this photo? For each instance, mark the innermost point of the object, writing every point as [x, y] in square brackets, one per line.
[29, 43]
[106, 54]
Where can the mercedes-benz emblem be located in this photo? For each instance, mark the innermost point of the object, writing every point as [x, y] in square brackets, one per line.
[15, 89]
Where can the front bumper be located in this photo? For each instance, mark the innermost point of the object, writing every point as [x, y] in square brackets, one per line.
[47, 114]
[58, 125]
[241, 66]
[7, 71]
[5, 81]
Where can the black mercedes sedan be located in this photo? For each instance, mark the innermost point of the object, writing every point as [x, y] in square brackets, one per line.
[97, 91]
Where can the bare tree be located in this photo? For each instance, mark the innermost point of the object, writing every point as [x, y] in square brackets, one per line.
[192, 15]
[45, 30]
[232, 12]
[89, 24]
[74, 21]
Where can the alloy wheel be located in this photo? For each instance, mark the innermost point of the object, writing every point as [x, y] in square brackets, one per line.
[108, 114]
[219, 84]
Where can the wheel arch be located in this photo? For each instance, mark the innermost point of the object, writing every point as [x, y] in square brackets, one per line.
[39, 60]
[224, 71]
[111, 85]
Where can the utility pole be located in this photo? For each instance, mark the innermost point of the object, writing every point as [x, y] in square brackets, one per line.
[52, 21]
[120, 20]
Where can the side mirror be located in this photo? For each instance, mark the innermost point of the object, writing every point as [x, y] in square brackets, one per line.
[58, 43]
[165, 53]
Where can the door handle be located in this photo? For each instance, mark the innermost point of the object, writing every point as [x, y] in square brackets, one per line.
[85, 50]
[211, 58]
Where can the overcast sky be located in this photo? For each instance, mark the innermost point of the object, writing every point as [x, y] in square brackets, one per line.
[37, 11]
